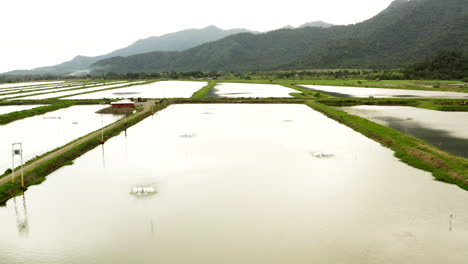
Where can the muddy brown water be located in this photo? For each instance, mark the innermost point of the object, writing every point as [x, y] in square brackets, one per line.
[243, 184]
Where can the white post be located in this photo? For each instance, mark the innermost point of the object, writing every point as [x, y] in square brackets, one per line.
[13, 162]
[102, 129]
[22, 172]
[13, 154]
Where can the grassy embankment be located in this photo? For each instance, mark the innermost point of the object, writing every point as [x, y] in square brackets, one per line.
[106, 89]
[13, 116]
[204, 90]
[429, 85]
[415, 152]
[37, 175]
[66, 90]
[432, 104]
[445, 167]
[41, 89]
[50, 105]
[432, 85]
[302, 92]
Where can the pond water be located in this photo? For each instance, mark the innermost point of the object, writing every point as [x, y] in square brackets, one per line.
[42, 133]
[67, 93]
[237, 184]
[445, 130]
[250, 90]
[342, 91]
[13, 108]
[55, 87]
[38, 87]
[42, 90]
[163, 89]
[9, 85]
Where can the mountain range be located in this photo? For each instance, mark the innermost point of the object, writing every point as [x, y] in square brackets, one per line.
[406, 32]
[177, 41]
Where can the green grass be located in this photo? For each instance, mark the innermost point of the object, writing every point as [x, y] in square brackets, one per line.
[435, 85]
[39, 89]
[10, 117]
[204, 90]
[415, 152]
[391, 84]
[432, 104]
[38, 175]
[52, 92]
[112, 88]
[304, 92]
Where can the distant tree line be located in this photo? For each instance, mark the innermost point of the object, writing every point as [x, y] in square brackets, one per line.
[168, 75]
[448, 65]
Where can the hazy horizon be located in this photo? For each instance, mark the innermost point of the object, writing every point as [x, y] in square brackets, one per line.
[49, 32]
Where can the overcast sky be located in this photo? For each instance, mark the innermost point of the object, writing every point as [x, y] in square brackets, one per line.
[36, 33]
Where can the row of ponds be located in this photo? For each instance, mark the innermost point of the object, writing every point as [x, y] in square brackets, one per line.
[234, 184]
[228, 183]
[185, 89]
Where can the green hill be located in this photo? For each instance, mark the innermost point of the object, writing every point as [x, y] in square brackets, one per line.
[405, 33]
[176, 41]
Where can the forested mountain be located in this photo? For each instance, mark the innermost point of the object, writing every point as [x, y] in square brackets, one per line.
[177, 41]
[404, 33]
[448, 65]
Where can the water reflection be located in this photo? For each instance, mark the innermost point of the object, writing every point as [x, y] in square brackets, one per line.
[442, 139]
[21, 213]
[249, 90]
[445, 130]
[103, 156]
[50, 131]
[343, 91]
[161, 89]
[248, 185]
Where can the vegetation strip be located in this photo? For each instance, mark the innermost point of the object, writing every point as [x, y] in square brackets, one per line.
[415, 152]
[112, 88]
[13, 116]
[40, 89]
[304, 92]
[204, 91]
[432, 104]
[59, 91]
[38, 173]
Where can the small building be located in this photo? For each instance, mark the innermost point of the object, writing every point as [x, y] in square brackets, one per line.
[123, 104]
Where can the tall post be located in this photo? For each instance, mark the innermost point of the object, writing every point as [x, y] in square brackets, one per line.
[102, 129]
[13, 162]
[22, 172]
[15, 152]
